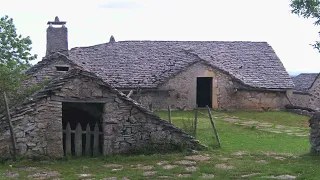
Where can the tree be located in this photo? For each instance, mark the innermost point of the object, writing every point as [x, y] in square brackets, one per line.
[15, 58]
[308, 9]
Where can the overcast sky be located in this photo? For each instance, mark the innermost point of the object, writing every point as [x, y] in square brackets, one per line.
[92, 22]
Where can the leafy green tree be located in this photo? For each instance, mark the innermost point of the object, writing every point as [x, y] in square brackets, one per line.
[308, 9]
[15, 58]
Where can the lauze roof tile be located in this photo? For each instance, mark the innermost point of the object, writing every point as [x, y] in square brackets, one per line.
[147, 64]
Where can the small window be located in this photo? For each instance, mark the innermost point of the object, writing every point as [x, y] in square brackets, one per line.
[62, 68]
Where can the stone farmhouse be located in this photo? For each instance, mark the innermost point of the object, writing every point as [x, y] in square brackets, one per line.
[182, 74]
[84, 108]
[307, 90]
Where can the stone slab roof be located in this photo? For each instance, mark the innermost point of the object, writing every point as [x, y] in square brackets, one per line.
[57, 83]
[48, 60]
[147, 64]
[304, 81]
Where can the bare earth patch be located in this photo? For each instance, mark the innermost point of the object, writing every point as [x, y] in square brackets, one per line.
[149, 173]
[162, 163]
[250, 175]
[249, 123]
[207, 176]
[143, 167]
[183, 175]
[240, 153]
[115, 178]
[197, 158]
[191, 169]
[110, 178]
[264, 125]
[44, 175]
[223, 166]
[224, 159]
[28, 169]
[11, 174]
[186, 162]
[163, 177]
[262, 161]
[85, 175]
[231, 120]
[282, 177]
[279, 158]
[114, 166]
[169, 166]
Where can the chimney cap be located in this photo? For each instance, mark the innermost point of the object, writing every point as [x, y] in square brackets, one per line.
[56, 22]
[112, 39]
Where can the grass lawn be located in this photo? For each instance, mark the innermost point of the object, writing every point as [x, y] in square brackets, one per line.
[246, 153]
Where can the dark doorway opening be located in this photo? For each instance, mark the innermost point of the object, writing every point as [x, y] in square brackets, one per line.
[83, 114]
[204, 91]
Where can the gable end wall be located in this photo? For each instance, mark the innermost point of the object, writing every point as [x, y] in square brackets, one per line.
[182, 92]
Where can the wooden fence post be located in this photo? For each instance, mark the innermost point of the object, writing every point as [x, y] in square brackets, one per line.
[213, 126]
[78, 140]
[88, 140]
[68, 140]
[169, 114]
[13, 137]
[195, 121]
[96, 140]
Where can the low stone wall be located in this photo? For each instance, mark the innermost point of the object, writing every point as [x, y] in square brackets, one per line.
[315, 95]
[258, 100]
[315, 133]
[299, 99]
[300, 112]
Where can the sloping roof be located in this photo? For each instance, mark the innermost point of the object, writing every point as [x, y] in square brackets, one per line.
[304, 81]
[58, 82]
[129, 64]
[48, 60]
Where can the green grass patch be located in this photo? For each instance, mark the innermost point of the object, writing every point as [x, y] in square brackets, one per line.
[275, 117]
[234, 138]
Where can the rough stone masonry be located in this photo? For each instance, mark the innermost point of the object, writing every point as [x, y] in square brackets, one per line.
[314, 124]
[127, 126]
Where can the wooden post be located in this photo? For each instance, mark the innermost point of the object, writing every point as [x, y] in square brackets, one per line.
[88, 140]
[213, 126]
[169, 114]
[195, 121]
[13, 137]
[68, 140]
[78, 140]
[96, 140]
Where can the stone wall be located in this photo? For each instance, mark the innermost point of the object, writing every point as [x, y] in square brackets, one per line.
[315, 95]
[47, 72]
[127, 125]
[258, 100]
[181, 91]
[37, 127]
[300, 99]
[183, 87]
[314, 124]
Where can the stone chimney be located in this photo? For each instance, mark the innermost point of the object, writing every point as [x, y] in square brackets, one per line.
[112, 39]
[57, 37]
